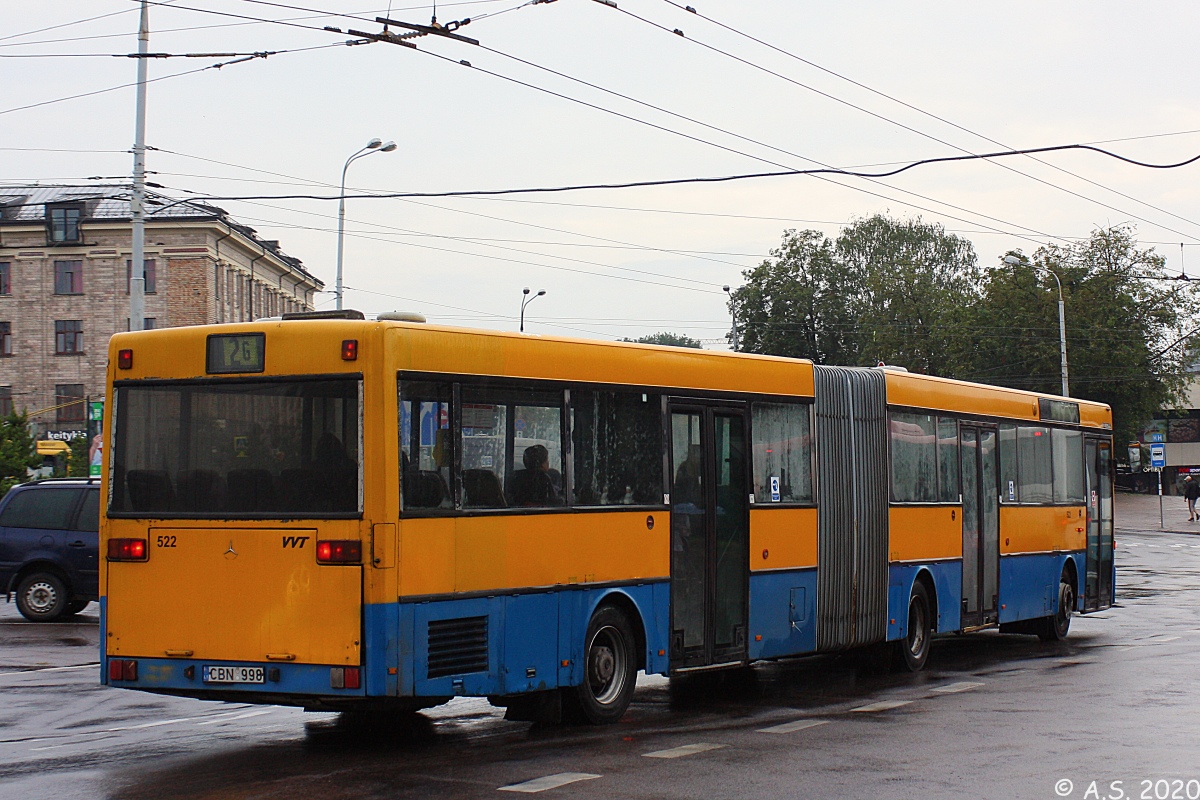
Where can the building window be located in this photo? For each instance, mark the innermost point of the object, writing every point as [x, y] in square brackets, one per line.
[69, 399]
[149, 272]
[68, 277]
[68, 336]
[148, 323]
[5, 339]
[63, 223]
[6, 401]
[5, 277]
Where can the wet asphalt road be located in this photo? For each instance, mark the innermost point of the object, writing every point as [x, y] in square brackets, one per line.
[992, 716]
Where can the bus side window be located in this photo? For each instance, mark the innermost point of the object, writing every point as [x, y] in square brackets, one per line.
[511, 446]
[425, 445]
[914, 458]
[1034, 458]
[616, 438]
[1010, 483]
[782, 453]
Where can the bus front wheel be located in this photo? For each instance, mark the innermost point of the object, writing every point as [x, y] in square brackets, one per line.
[610, 668]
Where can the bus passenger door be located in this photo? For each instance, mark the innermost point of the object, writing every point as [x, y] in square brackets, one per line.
[1098, 584]
[709, 536]
[981, 526]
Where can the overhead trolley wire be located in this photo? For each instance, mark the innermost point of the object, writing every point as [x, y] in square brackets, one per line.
[945, 121]
[884, 118]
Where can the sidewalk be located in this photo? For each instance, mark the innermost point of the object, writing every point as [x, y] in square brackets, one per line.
[1139, 512]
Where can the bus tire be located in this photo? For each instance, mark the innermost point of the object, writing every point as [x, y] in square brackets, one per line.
[610, 668]
[913, 650]
[1055, 627]
[42, 597]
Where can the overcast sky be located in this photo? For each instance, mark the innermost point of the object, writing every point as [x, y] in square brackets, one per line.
[619, 262]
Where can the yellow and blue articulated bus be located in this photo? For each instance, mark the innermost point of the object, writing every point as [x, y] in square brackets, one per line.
[338, 513]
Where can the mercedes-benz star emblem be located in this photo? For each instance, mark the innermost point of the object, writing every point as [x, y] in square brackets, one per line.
[231, 553]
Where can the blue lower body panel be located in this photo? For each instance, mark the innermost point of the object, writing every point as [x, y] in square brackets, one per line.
[509, 644]
[783, 613]
[1029, 584]
[946, 577]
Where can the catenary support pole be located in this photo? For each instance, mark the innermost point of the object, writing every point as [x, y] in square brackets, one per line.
[137, 274]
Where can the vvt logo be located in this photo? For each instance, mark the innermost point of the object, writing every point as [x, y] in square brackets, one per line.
[294, 541]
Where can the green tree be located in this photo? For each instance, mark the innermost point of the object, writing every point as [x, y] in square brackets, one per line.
[886, 290]
[78, 466]
[1130, 338]
[17, 451]
[672, 339]
[794, 303]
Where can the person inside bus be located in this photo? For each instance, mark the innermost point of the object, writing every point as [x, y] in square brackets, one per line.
[537, 485]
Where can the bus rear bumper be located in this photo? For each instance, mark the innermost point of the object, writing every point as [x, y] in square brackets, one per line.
[285, 684]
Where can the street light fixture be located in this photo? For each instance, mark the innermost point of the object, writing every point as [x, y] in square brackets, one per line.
[734, 342]
[526, 300]
[1013, 261]
[373, 146]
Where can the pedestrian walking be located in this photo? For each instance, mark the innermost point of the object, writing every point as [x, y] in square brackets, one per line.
[1191, 493]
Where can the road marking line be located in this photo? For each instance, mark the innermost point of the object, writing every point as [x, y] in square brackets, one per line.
[247, 715]
[1166, 639]
[882, 705]
[49, 669]
[792, 727]
[684, 750]
[149, 725]
[549, 782]
[961, 686]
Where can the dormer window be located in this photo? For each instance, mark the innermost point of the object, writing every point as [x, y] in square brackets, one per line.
[62, 223]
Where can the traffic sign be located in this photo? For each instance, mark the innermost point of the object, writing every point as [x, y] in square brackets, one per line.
[1156, 437]
[1158, 456]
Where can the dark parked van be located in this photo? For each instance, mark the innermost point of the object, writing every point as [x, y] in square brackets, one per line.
[49, 546]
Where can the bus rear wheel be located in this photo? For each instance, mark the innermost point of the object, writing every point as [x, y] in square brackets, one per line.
[610, 668]
[1056, 626]
[913, 651]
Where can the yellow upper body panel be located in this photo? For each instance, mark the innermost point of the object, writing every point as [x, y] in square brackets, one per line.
[300, 347]
[942, 394]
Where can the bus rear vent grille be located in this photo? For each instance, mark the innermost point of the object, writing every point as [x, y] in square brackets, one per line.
[457, 646]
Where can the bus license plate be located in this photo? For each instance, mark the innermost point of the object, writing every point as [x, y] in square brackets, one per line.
[234, 675]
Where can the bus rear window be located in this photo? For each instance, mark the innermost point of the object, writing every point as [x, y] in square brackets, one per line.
[248, 449]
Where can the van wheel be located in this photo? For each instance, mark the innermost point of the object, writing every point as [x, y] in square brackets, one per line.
[42, 597]
[1055, 627]
[610, 668]
[913, 651]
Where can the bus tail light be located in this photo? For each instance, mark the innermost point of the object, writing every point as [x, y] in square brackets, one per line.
[344, 551]
[120, 669]
[124, 359]
[349, 349]
[344, 678]
[126, 549]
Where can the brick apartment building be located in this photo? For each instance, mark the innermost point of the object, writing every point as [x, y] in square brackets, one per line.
[64, 287]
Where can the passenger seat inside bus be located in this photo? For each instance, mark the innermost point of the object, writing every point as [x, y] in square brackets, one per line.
[482, 489]
[425, 489]
[150, 490]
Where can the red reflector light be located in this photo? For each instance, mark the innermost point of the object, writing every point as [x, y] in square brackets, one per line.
[122, 670]
[347, 551]
[126, 549]
[343, 678]
[125, 359]
[349, 349]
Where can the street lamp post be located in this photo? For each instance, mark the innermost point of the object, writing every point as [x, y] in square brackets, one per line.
[1013, 261]
[526, 300]
[373, 146]
[733, 317]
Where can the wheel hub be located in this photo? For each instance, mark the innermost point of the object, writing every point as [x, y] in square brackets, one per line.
[603, 665]
[41, 597]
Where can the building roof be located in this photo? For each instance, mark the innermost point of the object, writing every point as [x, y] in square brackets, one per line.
[25, 204]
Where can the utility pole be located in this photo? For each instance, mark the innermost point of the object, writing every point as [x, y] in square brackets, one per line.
[137, 274]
